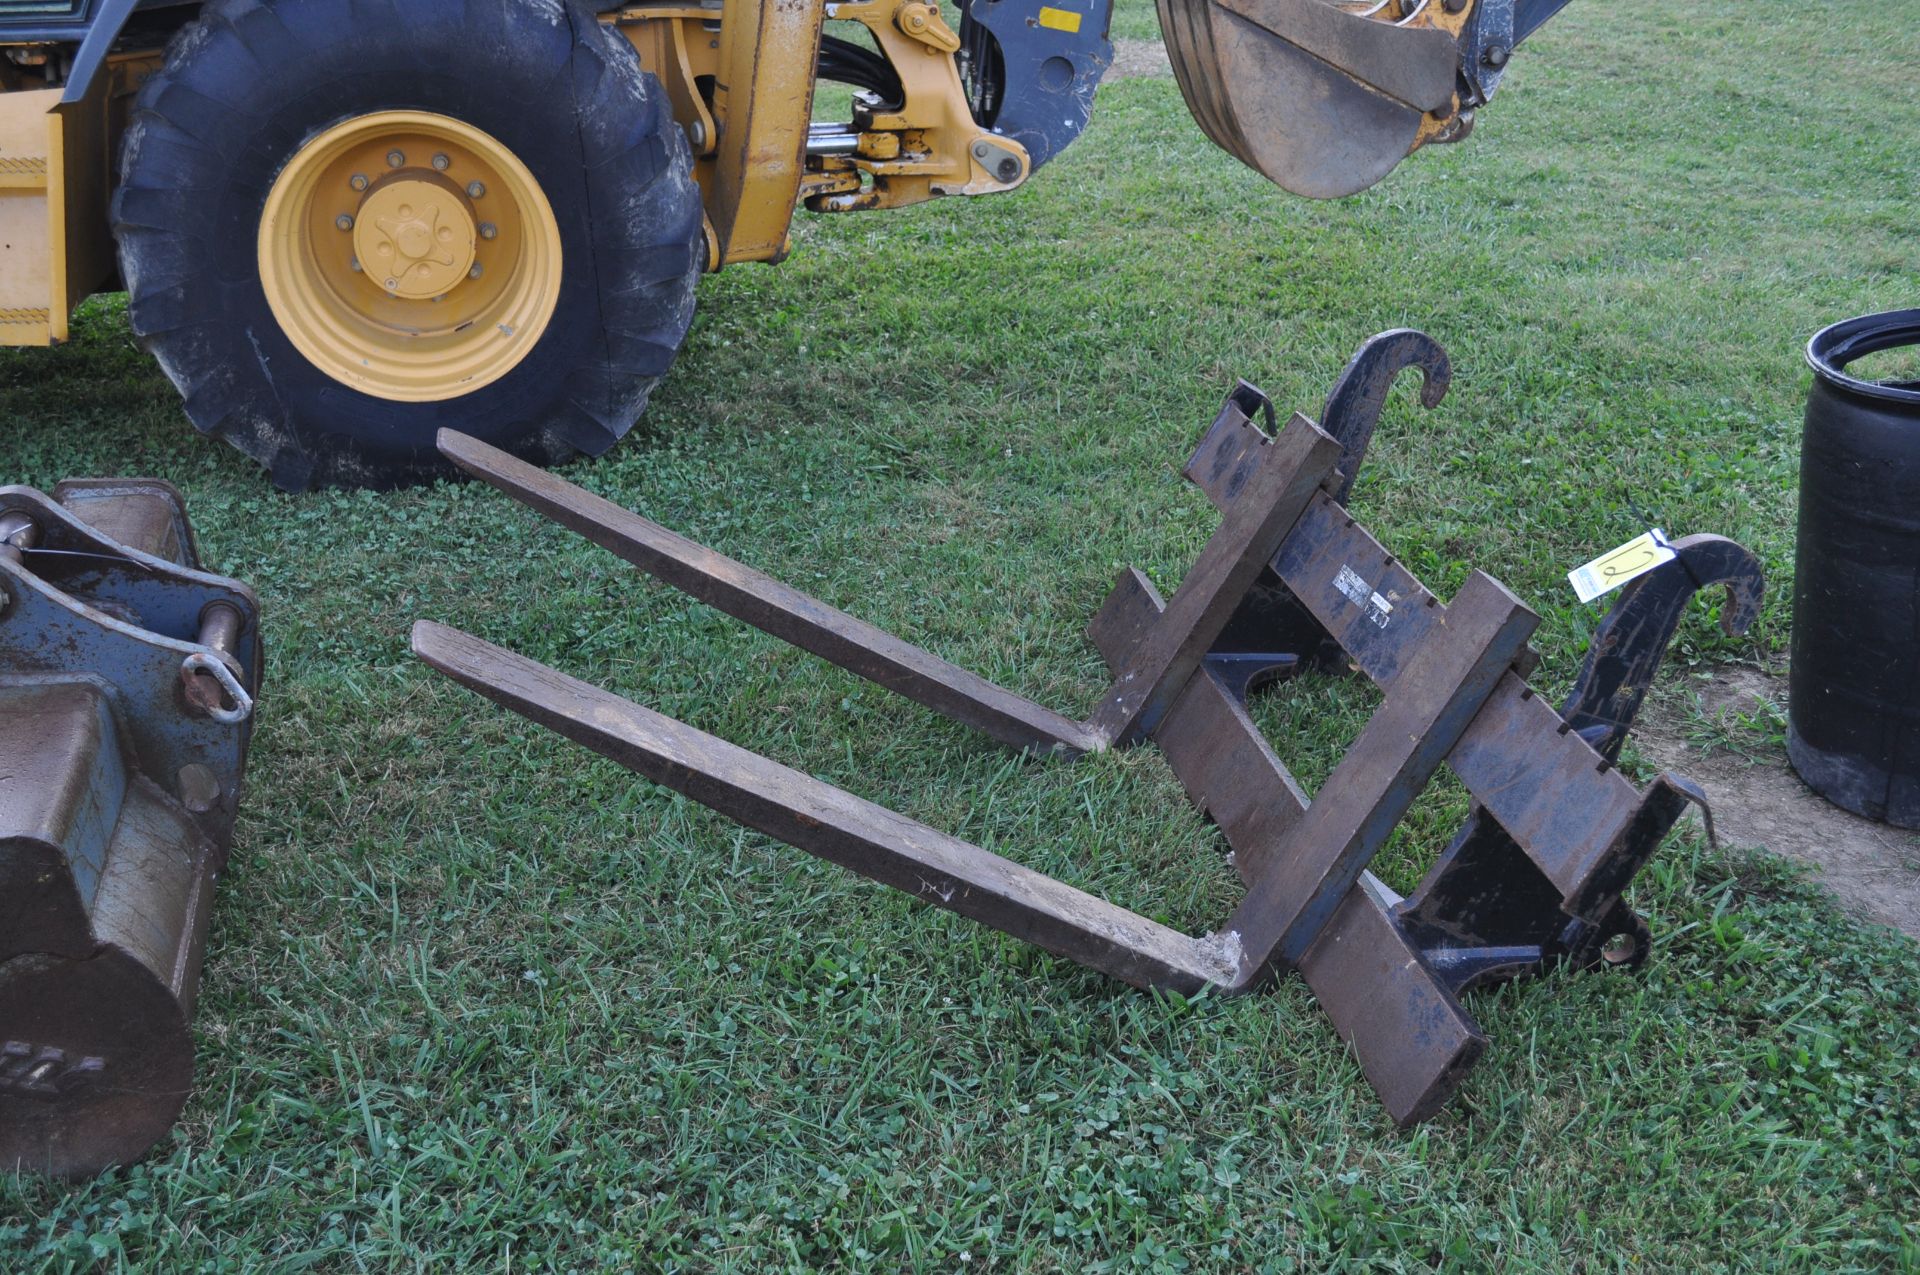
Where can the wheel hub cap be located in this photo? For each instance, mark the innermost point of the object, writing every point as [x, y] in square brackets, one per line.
[416, 236]
[409, 255]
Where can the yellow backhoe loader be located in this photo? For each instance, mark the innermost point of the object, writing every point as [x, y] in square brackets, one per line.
[343, 224]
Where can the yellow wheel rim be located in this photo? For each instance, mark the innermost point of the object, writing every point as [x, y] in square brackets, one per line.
[409, 256]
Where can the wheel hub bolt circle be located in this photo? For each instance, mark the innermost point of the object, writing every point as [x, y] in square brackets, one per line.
[410, 227]
[420, 234]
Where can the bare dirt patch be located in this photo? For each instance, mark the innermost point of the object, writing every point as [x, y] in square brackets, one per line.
[1133, 59]
[1721, 731]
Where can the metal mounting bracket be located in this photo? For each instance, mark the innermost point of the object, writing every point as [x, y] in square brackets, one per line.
[127, 682]
[1291, 568]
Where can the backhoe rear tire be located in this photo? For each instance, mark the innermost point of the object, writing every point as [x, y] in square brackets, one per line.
[516, 183]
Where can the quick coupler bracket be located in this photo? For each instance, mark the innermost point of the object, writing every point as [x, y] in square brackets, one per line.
[1556, 831]
[127, 678]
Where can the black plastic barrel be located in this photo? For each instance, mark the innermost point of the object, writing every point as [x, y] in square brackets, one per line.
[1853, 716]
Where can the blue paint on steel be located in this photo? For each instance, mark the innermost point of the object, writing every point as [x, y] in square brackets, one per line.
[1046, 92]
[101, 34]
[36, 15]
[92, 24]
[49, 633]
[135, 656]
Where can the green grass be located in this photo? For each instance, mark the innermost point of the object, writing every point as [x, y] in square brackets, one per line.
[476, 1000]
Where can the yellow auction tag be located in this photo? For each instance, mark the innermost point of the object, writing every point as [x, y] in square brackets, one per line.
[1617, 566]
[1060, 19]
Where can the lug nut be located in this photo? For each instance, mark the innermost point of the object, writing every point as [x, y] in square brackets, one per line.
[343, 222]
[358, 181]
[475, 272]
[392, 284]
[396, 158]
[488, 230]
[475, 190]
[440, 162]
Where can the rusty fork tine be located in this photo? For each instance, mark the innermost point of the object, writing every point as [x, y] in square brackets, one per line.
[834, 824]
[776, 608]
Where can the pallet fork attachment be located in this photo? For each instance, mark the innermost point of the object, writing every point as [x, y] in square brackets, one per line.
[1534, 877]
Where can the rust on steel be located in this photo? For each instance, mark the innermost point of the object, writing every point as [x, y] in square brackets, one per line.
[779, 609]
[1321, 100]
[832, 823]
[1534, 877]
[1274, 489]
[117, 802]
[1412, 1037]
[1425, 712]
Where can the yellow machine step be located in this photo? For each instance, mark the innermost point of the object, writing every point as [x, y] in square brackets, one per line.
[23, 172]
[54, 244]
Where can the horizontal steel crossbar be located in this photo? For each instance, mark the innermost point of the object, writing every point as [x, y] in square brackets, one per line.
[1560, 799]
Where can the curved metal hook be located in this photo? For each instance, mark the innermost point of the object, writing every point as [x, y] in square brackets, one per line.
[1712, 560]
[1354, 404]
[1627, 648]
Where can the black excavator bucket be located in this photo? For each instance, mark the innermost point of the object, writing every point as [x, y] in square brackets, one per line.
[1325, 98]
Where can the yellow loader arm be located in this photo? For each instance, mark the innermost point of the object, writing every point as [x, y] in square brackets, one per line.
[1323, 97]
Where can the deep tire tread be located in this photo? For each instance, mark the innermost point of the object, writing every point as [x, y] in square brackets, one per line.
[209, 130]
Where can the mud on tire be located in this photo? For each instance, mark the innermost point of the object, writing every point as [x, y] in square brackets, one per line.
[243, 89]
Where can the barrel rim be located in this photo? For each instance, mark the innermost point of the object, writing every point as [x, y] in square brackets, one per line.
[1838, 344]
